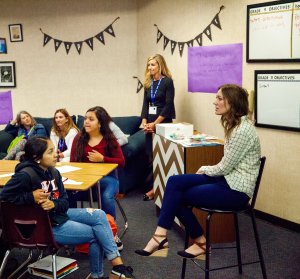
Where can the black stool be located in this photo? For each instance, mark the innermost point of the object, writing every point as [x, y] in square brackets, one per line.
[249, 209]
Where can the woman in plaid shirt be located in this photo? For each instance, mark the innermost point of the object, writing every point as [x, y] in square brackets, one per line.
[229, 184]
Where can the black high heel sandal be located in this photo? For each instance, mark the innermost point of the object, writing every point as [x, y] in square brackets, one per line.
[199, 256]
[160, 251]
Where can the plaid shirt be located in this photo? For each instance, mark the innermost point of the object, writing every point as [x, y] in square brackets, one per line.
[241, 160]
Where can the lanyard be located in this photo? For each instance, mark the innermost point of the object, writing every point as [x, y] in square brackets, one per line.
[28, 133]
[153, 95]
[62, 145]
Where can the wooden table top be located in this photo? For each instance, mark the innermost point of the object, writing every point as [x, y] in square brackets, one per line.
[88, 174]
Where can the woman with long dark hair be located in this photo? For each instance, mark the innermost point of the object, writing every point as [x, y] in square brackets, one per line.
[97, 144]
[70, 226]
[228, 184]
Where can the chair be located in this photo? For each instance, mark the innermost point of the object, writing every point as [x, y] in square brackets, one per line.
[249, 209]
[27, 226]
[123, 215]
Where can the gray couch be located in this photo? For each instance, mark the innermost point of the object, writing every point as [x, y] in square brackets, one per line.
[134, 173]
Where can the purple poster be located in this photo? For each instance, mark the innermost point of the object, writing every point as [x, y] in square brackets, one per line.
[6, 112]
[212, 66]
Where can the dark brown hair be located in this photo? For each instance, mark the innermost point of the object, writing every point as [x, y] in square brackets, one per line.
[104, 120]
[237, 98]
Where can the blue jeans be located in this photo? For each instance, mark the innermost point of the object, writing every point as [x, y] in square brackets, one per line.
[200, 190]
[87, 225]
[109, 186]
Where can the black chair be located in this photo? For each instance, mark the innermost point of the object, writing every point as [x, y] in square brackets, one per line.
[29, 227]
[249, 209]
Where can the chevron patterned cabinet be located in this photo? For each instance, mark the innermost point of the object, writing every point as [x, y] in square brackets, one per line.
[171, 158]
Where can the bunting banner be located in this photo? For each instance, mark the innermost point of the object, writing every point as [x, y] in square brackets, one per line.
[139, 86]
[190, 43]
[78, 45]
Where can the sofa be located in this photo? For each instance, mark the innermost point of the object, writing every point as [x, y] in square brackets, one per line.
[132, 176]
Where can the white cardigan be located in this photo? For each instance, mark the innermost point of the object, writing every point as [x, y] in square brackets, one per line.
[69, 140]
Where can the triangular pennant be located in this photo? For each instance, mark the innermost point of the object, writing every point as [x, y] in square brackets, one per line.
[57, 44]
[78, 46]
[199, 39]
[173, 45]
[68, 46]
[181, 47]
[207, 32]
[190, 43]
[100, 37]
[216, 21]
[166, 41]
[47, 39]
[109, 29]
[89, 42]
[159, 35]
[139, 87]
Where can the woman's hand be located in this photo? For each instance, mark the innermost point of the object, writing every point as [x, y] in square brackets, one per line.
[47, 204]
[149, 128]
[95, 156]
[199, 171]
[40, 195]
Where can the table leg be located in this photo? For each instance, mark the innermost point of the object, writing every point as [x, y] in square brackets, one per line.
[91, 198]
[99, 194]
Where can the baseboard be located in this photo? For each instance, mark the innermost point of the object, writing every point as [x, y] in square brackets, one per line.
[277, 221]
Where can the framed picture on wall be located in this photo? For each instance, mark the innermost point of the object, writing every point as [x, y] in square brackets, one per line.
[15, 32]
[3, 47]
[7, 74]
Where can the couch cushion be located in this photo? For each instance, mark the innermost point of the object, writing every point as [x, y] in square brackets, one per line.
[128, 124]
[47, 122]
[5, 139]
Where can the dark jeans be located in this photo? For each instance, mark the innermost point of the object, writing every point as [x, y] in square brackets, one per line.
[188, 190]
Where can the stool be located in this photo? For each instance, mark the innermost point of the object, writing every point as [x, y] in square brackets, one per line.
[249, 209]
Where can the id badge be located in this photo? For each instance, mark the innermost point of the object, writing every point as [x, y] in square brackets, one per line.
[152, 110]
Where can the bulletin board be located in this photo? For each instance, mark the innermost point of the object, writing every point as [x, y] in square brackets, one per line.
[277, 99]
[273, 32]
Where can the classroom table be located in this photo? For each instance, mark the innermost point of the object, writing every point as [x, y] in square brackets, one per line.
[89, 174]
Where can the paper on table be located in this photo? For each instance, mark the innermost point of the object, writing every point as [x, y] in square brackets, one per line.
[64, 169]
[7, 174]
[66, 180]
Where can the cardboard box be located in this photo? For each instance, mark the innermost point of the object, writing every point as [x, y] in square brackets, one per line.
[179, 129]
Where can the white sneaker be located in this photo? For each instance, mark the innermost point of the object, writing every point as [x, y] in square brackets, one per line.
[119, 243]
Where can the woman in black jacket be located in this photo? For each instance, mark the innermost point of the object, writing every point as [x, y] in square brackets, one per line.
[70, 226]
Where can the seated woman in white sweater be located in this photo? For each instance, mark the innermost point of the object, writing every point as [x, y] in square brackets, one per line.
[62, 134]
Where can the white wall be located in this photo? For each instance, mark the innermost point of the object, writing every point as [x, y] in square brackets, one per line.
[47, 80]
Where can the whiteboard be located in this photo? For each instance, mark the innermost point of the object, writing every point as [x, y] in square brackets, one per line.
[273, 31]
[277, 99]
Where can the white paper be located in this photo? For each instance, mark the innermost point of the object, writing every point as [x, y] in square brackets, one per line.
[67, 181]
[64, 169]
[7, 174]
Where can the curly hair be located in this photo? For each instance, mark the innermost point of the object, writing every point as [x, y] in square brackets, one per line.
[237, 98]
[104, 120]
[69, 125]
[163, 69]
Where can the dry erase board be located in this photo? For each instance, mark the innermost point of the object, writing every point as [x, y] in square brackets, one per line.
[273, 32]
[277, 99]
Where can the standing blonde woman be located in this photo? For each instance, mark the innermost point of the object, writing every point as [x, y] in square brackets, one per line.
[158, 106]
[62, 134]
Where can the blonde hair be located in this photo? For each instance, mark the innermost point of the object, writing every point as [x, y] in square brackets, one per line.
[19, 120]
[69, 125]
[163, 69]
